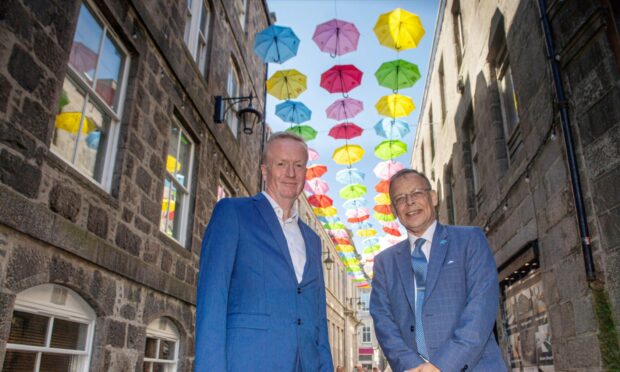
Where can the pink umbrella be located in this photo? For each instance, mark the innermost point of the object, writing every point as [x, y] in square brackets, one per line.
[316, 186]
[357, 212]
[336, 37]
[387, 169]
[345, 131]
[312, 154]
[344, 108]
[343, 234]
[341, 78]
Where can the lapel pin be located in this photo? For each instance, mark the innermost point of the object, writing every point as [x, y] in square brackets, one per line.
[444, 241]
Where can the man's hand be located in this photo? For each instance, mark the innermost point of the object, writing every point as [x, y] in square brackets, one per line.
[426, 367]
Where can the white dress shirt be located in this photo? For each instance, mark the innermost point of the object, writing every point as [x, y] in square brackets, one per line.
[292, 233]
[426, 247]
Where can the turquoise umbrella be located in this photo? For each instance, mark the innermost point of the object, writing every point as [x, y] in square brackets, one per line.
[293, 112]
[354, 203]
[350, 175]
[391, 128]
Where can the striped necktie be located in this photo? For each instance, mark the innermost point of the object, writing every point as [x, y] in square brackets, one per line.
[420, 265]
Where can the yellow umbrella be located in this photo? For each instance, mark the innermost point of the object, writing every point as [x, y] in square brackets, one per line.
[399, 29]
[325, 212]
[164, 205]
[345, 248]
[172, 163]
[285, 84]
[382, 199]
[366, 232]
[395, 106]
[348, 154]
[70, 121]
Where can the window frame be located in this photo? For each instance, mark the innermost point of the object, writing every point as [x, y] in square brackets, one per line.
[232, 120]
[193, 35]
[505, 82]
[161, 335]
[366, 334]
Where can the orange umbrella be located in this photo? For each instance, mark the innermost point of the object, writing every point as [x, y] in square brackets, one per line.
[315, 171]
[358, 219]
[320, 201]
[383, 186]
[382, 208]
[341, 241]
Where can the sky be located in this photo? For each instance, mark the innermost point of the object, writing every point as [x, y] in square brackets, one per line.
[303, 16]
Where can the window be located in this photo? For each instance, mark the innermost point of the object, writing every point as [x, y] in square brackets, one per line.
[442, 90]
[51, 330]
[223, 190]
[508, 102]
[431, 132]
[423, 158]
[233, 87]
[241, 7]
[470, 158]
[366, 334]
[162, 346]
[175, 201]
[459, 35]
[90, 104]
[450, 186]
[196, 36]
[364, 300]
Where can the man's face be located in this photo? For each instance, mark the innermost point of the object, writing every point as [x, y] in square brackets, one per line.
[413, 203]
[285, 169]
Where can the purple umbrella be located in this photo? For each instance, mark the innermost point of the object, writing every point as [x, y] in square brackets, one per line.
[344, 108]
[336, 37]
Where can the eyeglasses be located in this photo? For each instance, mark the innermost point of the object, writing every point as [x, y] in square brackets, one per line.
[415, 195]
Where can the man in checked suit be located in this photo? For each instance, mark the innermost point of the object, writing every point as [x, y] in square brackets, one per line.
[261, 297]
[435, 295]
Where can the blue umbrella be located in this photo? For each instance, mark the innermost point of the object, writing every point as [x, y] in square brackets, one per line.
[391, 128]
[293, 112]
[363, 225]
[333, 219]
[350, 175]
[92, 140]
[354, 203]
[370, 241]
[276, 44]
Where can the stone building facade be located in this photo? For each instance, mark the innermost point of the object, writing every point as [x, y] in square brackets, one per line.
[110, 165]
[491, 139]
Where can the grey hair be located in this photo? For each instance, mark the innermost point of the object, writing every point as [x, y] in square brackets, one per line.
[403, 172]
[278, 136]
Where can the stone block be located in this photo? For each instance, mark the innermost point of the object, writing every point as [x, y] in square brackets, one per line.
[179, 271]
[35, 119]
[143, 225]
[50, 53]
[27, 267]
[166, 260]
[127, 239]
[136, 337]
[128, 312]
[19, 175]
[116, 332]
[585, 320]
[127, 215]
[97, 221]
[24, 69]
[156, 165]
[603, 155]
[5, 93]
[610, 228]
[15, 18]
[151, 252]
[15, 138]
[143, 180]
[65, 201]
[102, 289]
[150, 209]
[135, 146]
[605, 189]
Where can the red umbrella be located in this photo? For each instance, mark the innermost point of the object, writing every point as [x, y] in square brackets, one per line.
[383, 186]
[341, 241]
[315, 171]
[391, 231]
[341, 78]
[358, 219]
[383, 209]
[320, 201]
[345, 131]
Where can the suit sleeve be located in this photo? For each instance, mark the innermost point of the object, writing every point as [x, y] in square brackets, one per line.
[217, 258]
[401, 356]
[325, 364]
[477, 319]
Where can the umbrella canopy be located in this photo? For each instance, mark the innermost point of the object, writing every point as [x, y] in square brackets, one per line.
[390, 149]
[293, 112]
[320, 201]
[354, 203]
[383, 186]
[352, 191]
[304, 131]
[344, 108]
[316, 186]
[316, 170]
[384, 217]
[312, 154]
[328, 219]
[276, 44]
[348, 154]
[399, 29]
[391, 128]
[382, 199]
[350, 175]
[391, 231]
[325, 212]
[357, 212]
[397, 74]
[342, 234]
[341, 78]
[286, 84]
[358, 219]
[70, 121]
[382, 208]
[395, 106]
[386, 169]
[336, 37]
[341, 241]
[333, 226]
[345, 131]
[366, 232]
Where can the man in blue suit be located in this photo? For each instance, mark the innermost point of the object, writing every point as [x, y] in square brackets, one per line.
[435, 295]
[261, 294]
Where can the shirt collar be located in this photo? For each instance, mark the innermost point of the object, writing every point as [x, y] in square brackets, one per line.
[279, 211]
[427, 235]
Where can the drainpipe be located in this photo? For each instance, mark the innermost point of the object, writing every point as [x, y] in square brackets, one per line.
[553, 58]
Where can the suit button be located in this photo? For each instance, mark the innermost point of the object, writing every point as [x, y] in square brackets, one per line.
[299, 321]
[465, 367]
[298, 290]
[412, 329]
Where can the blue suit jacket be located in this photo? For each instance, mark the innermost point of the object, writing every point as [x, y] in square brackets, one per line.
[251, 313]
[459, 309]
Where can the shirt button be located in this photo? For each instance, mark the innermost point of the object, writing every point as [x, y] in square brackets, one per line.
[299, 321]
[412, 329]
[298, 290]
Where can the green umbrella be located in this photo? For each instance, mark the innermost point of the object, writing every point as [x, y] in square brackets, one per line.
[397, 74]
[333, 226]
[352, 191]
[305, 131]
[390, 149]
[384, 217]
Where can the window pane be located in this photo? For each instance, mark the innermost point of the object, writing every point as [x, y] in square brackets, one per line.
[178, 197]
[110, 72]
[19, 361]
[68, 121]
[69, 335]
[59, 363]
[167, 208]
[86, 44]
[28, 329]
[147, 366]
[173, 164]
[166, 350]
[150, 350]
[185, 148]
[91, 149]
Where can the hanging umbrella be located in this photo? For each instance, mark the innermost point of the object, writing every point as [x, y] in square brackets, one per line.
[384, 217]
[286, 84]
[350, 175]
[397, 74]
[383, 186]
[357, 212]
[341, 78]
[391, 128]
[354, 203]
[312, 154]
[325, 212]
[383, 199]
[391, 231]
[382, 208]
[399, 29]
[293, 112]
[304, 131]
[320, 201]
[345, 248]
[324, 219]
[344, 108]
[342, 234]
[352, 191]
[387, 169]
[345, 131]
[395, 106]
[334, 226]
[348, 154]
[364, 225]
[336, 37]
[390, 149]
[358, 219]
[366, 232]
[276, 44]
[316, 186]
[316, 170]
[70, 121]
[341, 241]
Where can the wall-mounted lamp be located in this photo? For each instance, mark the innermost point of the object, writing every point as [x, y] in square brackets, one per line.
[249, 116]
[359, 301]
[328, 261]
